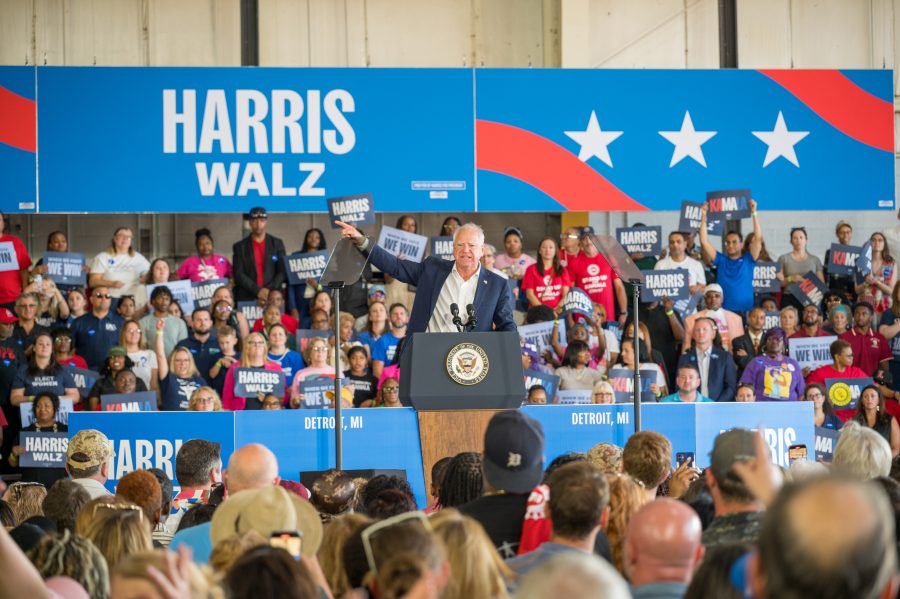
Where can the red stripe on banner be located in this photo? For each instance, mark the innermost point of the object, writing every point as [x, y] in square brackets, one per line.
[17, 121]
[547, 166]
[841, 103]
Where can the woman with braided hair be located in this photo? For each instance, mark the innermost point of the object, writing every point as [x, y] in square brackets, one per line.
[463, 481]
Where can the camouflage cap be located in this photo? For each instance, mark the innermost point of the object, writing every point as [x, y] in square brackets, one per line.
[88, 448]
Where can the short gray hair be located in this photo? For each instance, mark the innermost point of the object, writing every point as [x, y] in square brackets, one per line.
[573, 574]
[479, 232]
[862, 453]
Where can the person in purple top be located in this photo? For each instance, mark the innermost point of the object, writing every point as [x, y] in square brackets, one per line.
[774, 375]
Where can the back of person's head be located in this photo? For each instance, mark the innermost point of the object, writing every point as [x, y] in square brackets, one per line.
[25, 499]
[200, 513]
[390, 502]
[269, 572]
[63, 501]
[437, 474]
[118, 529]
[540, 313]
[333, 494]
[730, 447]
[700, 500]
[579, 494]
[379, 483]
[463, 481]
[478, 570]
[165, 485]
[135, 569]
[230, 549]
[251, 467]
[861, 453]
[7, 515]
[662, 542]
[809, 547]
[606, 456]
[142, 489]
[647, 457]
[71, 555]
[573, 574]
[712, 578]
[625, 498]
[330, 553]
[560, 461]
[196, 461]
[395, 542]
[353, 555]
[891, 490]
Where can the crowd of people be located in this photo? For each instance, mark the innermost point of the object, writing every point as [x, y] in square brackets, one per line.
[613, 522]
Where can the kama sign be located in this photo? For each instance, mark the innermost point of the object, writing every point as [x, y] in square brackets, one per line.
[226, 139]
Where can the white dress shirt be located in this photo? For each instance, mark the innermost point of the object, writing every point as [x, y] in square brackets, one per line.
[455, 291]
[703, 365]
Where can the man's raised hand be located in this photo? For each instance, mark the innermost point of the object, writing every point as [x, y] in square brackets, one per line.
[349, 232]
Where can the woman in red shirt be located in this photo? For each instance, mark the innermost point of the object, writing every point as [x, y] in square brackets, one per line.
[546, 282]
[12, 281]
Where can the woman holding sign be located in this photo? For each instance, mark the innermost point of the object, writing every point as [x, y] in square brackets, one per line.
[880, 283]
[44, 409]
[254, 355]
[546, 282]
[870, 412]
[299, 295]
[42, 373]
[178, 376]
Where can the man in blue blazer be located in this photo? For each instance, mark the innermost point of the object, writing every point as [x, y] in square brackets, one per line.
[718, 376]
[440, 284]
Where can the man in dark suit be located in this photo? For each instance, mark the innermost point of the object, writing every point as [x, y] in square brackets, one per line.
[718, 379]
[258, 261]
[749, 345]
[441, 284]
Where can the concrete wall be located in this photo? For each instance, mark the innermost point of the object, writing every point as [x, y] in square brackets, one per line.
[442, 33]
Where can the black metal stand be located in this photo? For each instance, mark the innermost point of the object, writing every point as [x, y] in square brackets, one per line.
[636, 392]
[336, 287]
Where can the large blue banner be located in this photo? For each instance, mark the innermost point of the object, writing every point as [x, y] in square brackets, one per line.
[225, 139]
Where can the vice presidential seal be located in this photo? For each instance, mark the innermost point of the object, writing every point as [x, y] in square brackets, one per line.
[467, 364]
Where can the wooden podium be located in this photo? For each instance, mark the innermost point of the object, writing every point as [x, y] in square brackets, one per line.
[453, 415]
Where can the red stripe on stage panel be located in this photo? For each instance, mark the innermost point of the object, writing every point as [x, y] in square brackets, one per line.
[548, 167]
[17, 121]
[842, 104]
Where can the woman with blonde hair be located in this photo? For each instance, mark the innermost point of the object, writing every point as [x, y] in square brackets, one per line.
[477, 568]
[603, 393]
[253, 355]
[131, 577]
[131, 337]
[121, 268]
[25, 499]
[625, 498]
[205, 399]
[331, 550]
[117, 527]
[178, 376]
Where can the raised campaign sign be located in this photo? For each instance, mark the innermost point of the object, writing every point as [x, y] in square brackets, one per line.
[659, 284]
[442, 247]
[202, 291]
[765, 277]
[403, 244]
[842, 259]
[729, 204]
[640, 240]
[65, 268]
[355, 210]
[305, 265]
[689, 220]
[844, 393]
[250, 382]
[43, 450]
[809, 290]
[811, 352]
[622, 381]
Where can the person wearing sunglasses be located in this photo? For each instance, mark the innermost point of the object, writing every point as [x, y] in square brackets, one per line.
[390, 394]
[98, 330]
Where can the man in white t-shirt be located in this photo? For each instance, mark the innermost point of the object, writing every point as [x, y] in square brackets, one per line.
[678, 258]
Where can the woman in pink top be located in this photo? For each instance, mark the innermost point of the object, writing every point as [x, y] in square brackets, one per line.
[207, 265]
[253, 356]
[316, 356]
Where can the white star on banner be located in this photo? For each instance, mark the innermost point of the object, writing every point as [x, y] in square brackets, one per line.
[594, 141]
[687, 141]
[781, 142]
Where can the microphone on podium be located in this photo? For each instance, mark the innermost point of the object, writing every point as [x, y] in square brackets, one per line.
[470, 324]
[454, 311]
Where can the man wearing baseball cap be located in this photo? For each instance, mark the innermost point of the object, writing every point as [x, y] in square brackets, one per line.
[258, 261]
[513, 464]
[729, 324]
[738, 512]
[87, 461]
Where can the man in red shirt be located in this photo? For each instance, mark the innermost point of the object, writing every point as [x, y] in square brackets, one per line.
[870, 349]
[14, 264]
[812, 324]
[590, 271]
[258, 261]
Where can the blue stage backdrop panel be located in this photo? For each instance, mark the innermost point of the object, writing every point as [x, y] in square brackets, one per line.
[284, 138]
[18, 158]
[304, 440]
[152, 439]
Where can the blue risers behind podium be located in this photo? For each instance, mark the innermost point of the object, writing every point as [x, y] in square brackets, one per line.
[389, 438]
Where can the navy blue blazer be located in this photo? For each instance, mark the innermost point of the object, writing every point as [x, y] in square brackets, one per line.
[493, 298]
[722, 381]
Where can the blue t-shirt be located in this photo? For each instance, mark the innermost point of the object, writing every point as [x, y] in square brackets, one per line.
[385, 347]
[176, 392]
[675, 398]
[735, 275]
[291, 362]
[57, 383]
[366, 339]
